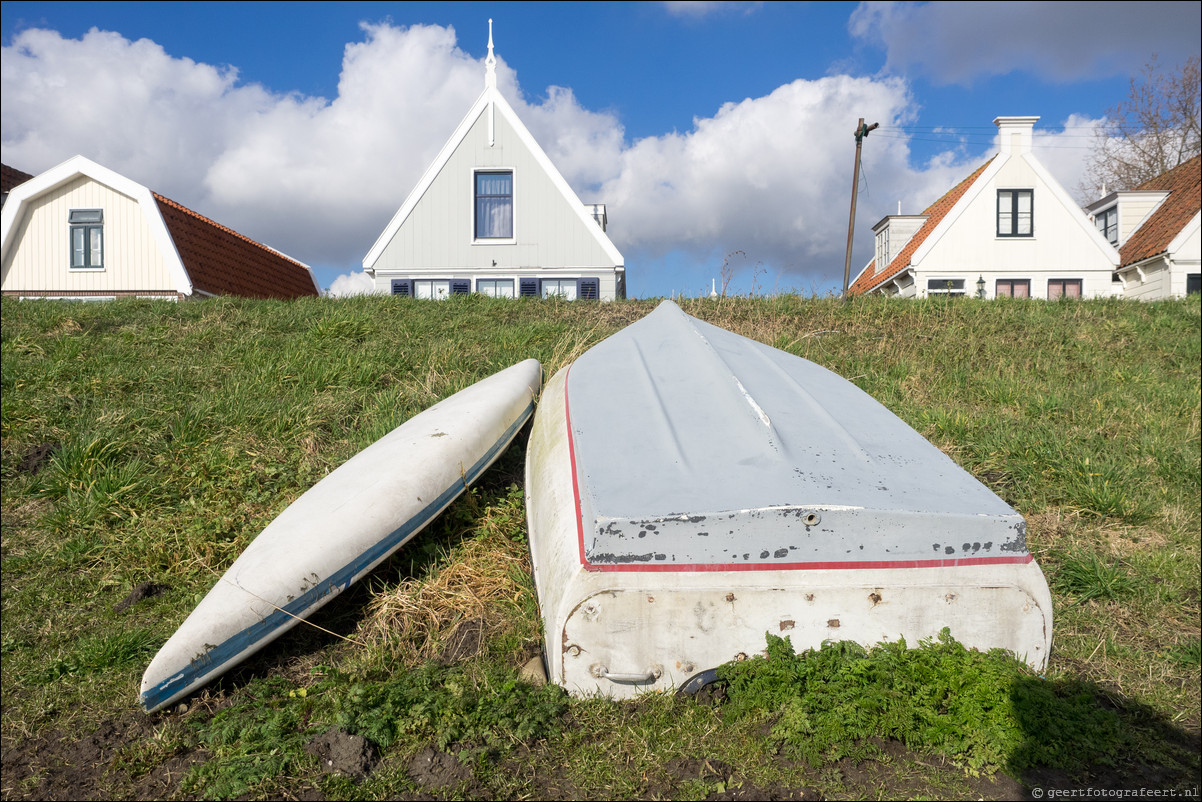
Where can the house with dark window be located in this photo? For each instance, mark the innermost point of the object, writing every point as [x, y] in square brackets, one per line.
[1156, 229]
[1008, 229]
[84, 232]
[493, 215]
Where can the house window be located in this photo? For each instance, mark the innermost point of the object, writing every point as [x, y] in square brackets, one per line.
[1014, 214]
[437, 289]
[495, 287]
[1013, 288]
[882, 249]
[87, 239]
[1108, 223]
[1064, 288]
[1193, 283]
[402, 287]
[565, 288]
[494, 205]
[946, 286]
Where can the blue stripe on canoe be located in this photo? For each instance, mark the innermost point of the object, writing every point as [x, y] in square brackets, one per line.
[224, 655]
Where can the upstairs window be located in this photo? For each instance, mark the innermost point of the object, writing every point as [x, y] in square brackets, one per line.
[494, 205]
[1014, 212]
[87, 239]
[882, 249]
[1108, 223]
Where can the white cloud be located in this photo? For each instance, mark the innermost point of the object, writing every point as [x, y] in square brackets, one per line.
[955, 43]
[352, 284]
[319, 179]
[703, 8]
[1065, 151]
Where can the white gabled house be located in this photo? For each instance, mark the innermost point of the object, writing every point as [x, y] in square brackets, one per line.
[1009, 229]
[1156, 229]
[80, 231]
[492, 215]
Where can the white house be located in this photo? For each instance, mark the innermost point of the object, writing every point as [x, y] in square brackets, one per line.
[82, 231]
[1156, 229]
[492, 215]
[1007, 229]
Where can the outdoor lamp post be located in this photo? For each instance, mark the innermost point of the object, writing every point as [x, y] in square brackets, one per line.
[980, 286]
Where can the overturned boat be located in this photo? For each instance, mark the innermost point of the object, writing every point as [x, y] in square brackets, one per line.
[342, 528]
[689, 490]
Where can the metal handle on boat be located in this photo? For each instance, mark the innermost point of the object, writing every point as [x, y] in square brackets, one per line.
[650, 675]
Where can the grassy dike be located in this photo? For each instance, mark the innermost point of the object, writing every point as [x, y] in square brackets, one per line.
[145, 444]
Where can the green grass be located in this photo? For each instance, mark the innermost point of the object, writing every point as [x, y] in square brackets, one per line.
[143, 441]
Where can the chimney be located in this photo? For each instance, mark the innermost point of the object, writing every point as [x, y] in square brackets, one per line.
[1014, 134]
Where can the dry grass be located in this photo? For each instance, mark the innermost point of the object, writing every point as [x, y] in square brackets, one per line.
[483, 578]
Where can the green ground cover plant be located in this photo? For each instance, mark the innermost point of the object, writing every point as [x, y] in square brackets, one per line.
[143, 445]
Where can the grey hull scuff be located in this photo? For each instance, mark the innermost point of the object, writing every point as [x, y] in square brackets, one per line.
[696, 446]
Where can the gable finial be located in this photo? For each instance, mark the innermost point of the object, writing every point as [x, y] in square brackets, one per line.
[490, 63]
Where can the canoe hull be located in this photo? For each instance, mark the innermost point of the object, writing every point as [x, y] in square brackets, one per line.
[342, 528]
[621, 628]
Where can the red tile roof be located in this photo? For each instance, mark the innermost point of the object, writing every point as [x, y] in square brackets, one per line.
[935, 213]
[1184, 185]
[223, 262]
[10, 177]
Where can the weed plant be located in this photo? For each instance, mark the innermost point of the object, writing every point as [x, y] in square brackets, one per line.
[144, 442]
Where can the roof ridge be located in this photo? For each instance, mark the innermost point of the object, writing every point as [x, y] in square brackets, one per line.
[936, 212]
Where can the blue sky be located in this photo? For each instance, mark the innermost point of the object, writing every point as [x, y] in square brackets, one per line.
[713, 131]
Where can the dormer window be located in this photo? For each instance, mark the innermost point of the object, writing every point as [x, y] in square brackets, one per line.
[882, 248]
[1107, 222]
[1015, 212]
[494, 205]
[87, 238]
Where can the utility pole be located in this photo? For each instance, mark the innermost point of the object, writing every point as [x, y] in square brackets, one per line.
[861, 132]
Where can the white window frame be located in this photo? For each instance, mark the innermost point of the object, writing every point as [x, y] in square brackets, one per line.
[491, 287]
[513, 189]
[1108, 218]
[951, 292]
[77, 222]
[1014, 214]
[565, 288]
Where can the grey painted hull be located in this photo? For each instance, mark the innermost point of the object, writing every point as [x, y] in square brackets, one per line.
[689, 489]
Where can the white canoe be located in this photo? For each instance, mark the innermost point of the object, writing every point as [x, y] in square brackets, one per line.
[689, 490]
[342, 528]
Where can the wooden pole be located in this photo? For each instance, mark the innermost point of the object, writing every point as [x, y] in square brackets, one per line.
[861, 132]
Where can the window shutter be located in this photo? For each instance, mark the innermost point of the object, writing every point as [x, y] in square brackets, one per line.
[402, 287]
[461, 286]
[588, 289]
[528, 287]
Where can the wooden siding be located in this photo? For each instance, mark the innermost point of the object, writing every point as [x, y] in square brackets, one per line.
[41, 260]
[1060, 248]
[438, 233]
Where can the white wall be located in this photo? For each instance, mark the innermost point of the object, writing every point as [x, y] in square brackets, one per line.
[1061, 246]
[41, 259]
[438, 233]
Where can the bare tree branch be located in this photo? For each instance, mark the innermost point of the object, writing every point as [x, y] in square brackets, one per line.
[1151, 132]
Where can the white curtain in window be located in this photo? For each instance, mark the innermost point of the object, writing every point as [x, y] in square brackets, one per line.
[1023, 222]
[95, 248]
[565, 288]
[78, 251]
[431, 289]
[494, 205]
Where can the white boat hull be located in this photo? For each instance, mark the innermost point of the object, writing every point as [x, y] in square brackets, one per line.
[342, 528]
[619, 627]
